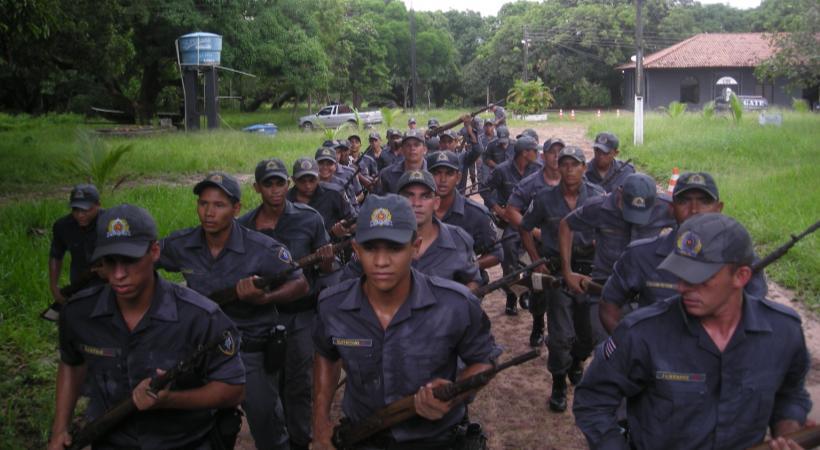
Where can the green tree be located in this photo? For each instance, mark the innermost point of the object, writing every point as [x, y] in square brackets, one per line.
[529, 97]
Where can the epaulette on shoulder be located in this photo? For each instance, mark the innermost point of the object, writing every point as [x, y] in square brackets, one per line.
[594, 190]
[653, 310]
[450, 285]
[90, 291]
[596, 200]
[192, 297]
[178, 234]
[774, 306]
[645, 241]
[465, 237]
[343, 286]
[330, 186]
[304, 207]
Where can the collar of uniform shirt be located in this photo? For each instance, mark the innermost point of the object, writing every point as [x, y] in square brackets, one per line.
[163, 306]
[235, 242]
[751, 320]
[419, 297]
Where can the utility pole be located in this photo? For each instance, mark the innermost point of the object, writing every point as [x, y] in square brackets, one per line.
[638, 116]
[413, 57]
[526, 43]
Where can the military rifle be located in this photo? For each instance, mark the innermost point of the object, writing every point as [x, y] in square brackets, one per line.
[469, 191]
[494, 244]
[508, 279]
[346, 434]
[52, 313]
[615, 172]
[102, 425]
[227, 295]
[808, 437]
[596, 286]
[454, 123]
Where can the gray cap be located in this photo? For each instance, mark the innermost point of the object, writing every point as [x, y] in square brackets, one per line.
[374, 135]
[411, 120]
[305, 166]
[270, 168]
[525, 143]
[502, 133]
[528, 132]
[705, 243]
[220, 180]
[392, 132]
[124, 230]
[553, 141]
[325, 154]
[432, 123]
[639, 194]
[572, 152]
[444, 158]
[422, 177]
[413, 134]
[449, 133]
[84, 196]
[605, 142]
[389, 217]
[342, 143]
[696, 180]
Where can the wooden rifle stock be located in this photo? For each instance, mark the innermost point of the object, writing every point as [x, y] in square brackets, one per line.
[346, 434]
[808, 437]
[228, 294]
[102, 425]
[454, 123]
[507, 279]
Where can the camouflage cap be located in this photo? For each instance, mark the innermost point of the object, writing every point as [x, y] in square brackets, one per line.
[388, 217]
[705, 243]
[124, 230]
[374, 135]
[432, 143]
[528, 132]
[696, 180]
[223, 181]
[411, 120]
[432, 123]
[84, 196]
[448, 133]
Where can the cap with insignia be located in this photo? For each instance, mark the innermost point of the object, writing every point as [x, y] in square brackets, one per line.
[388, 217]
[325, 154]
[525, 143]
[305, 166]
[413, 134]
[270, 168]
[528, 132]
[223, 181]
[374, 135]
[448, 133]
[638, 195]
[705, 243]
[502, 133]
[432, 123]
[605, 142]
[421, 177]
[392, 132]
[572, 152]
[696, 180]
[124, 230]
[84, 196]
[552, 143]
[443, 159]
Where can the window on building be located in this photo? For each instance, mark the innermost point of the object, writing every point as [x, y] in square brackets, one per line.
[689, 90]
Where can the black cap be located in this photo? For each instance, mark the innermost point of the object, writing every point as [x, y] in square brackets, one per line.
[413, 134]
[269, 168]
[553, 141]
[388, 217]
[220, 180]
[432, 123]
[124, 230]
[705, 243]
[342, 143]
[422, 177]
[605, 142]
[392, 132]
[529, 132]
[525, 143]
[502, 133]
[444, 158]
[374, 135]
[572, 152]
[325, 154]
[84, 196]
[330, 143]
[305, 166]
[696, 180]
[449, 133]
[354, 136]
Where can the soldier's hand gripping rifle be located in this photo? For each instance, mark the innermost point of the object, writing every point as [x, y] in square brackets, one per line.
[808, 437]
[227, 295]
[347, 434]
[101, 426]
[595, 287]
[52, 313]
[454, 123]
[508, 279]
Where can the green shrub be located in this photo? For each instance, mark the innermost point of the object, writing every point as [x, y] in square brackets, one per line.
[709, 110]
[529, 97]
[675, 109]
[800, 105]
[736, 107]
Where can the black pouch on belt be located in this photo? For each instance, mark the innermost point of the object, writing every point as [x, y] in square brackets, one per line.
[276, 349]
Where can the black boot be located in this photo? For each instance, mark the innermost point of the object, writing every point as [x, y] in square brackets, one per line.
[558, 399]
[511, 310]
[537, 334]
[524, 300]
[576, 372]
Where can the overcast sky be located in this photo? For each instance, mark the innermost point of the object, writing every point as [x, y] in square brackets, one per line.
[491, 7]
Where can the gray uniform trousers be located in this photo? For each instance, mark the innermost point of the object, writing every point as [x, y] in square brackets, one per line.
[262, 404]
[570, 330]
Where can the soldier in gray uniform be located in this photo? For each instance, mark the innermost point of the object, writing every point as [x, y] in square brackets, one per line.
[370, 160]
[500, 115]
[115, 337]
[604, 169]
[326, 198]
[636, 272]
[711, 368]
[329, 175]
[345, 172]
[503, 180]
[570, 332]
[495, 152]
[412, 151]
[396, 332]
[473, 149]
[219, 254]
[301, 229]
[484, 139]
[455, 209]
[392, 154]
[531, 185]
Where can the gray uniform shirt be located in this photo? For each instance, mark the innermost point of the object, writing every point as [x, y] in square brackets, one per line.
[503, 180]
[614, 181]
[439, 323]
[475, 219]
[390, 175]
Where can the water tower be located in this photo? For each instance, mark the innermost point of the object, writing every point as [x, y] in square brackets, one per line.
[200, 53]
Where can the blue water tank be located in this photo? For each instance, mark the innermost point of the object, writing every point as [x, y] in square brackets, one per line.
[200, 49]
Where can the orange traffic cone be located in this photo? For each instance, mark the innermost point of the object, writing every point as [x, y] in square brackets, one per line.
[561, 113]
[673, 180]
[599, 114]
[572, 114]
[617, 113]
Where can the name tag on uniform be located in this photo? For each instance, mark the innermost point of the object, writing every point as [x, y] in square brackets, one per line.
[661, 285]
[99, 351]
[680, 376]
[352, 342]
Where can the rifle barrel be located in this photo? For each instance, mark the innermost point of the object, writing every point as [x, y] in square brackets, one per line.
[507, 279]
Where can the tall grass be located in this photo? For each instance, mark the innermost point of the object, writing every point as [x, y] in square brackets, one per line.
[766, 177]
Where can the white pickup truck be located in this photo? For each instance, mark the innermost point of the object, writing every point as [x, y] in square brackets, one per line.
[332, 116]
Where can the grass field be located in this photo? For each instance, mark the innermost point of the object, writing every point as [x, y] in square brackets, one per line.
[766, 177]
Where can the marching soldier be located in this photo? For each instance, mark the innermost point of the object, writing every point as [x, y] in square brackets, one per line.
[604, 169]
[392, 154]
[371, 327]
[326, 198]
[412, 152]
[220, 253]
[331, 176]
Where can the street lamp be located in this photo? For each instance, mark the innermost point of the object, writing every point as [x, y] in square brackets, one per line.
[526, 42]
